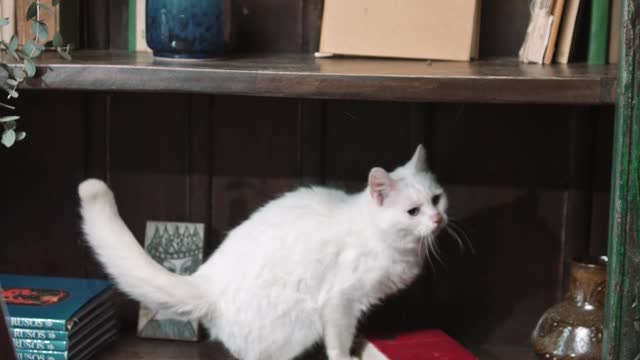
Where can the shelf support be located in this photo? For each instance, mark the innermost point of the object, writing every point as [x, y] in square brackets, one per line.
[622, 315]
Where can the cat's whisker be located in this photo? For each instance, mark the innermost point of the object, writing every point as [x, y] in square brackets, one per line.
[456, 237]
[459, 231]
[434, 248]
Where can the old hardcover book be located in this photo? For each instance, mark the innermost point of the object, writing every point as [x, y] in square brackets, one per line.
[565, 36]
[178, 248]
[538, 32]
[6, 345]
[8, 11]
[614, 31]
[96, 340]
[422, 345]
[558, 8]
[598, 32]
[51, 303]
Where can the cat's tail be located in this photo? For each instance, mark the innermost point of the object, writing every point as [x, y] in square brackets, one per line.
[133, 271]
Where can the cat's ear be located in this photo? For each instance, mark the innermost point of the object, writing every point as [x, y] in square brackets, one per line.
[418, 162]
[380, 185]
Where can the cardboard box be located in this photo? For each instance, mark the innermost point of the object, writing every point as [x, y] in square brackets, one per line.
[418, 29]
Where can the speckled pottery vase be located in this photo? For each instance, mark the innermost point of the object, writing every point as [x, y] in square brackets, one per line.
[188, 29]
[572, 329]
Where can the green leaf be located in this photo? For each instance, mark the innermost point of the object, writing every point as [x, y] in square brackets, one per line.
[13, 43]
[9, 125]
[18, 74]
[4, 21]
[9, 118]
[32, 11]
[57, 40]
[20, 135]
[48, 44]
[8, 138]
[55, 2]
[29, 67]
[13, 94]
[14, 54]
[40, 30]
[31, 49]
[64, 53]
[11, 82]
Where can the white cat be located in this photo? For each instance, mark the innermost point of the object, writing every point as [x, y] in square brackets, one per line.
[301, 269]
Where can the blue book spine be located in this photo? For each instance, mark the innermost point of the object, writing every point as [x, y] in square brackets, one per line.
[40, 355]
[35, 334]
[40, 345]
[31, 323]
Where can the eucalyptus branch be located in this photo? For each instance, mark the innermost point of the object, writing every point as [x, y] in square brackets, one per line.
[18, 73]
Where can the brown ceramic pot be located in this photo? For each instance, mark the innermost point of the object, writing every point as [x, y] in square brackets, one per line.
[572, 329]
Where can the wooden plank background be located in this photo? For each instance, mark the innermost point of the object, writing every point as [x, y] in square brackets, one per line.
[528, 182]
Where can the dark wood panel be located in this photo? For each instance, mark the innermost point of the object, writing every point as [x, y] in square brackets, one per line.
[311, 24]
[274, 26]
[118, 24]
[255, 156]
[508, 186]
[312, 131]
[148, 163]
[602, 160]
[502, 27]
[39, 178]
[302, 76]
[503, 145]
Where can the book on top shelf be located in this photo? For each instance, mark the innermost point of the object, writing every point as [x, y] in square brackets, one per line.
[52, 303]
[558, 9]
[598, 32]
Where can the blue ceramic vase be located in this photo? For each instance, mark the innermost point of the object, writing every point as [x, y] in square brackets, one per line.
[188, 29]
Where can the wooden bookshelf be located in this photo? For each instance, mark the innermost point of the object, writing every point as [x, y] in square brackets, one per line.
[303, 76]
[523, 150]
[132, 348]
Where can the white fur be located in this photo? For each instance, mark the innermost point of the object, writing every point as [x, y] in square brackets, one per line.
[301, 269]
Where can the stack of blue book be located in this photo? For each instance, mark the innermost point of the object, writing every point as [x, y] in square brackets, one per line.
[52, 318]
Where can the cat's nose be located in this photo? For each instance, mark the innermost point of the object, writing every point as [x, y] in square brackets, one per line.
[437, 218]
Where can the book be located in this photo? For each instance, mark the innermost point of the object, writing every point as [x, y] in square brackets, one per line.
[51, 17]
[565, 35]
[538, 32]
[35, 334]
[558, 8]
[8, 11]
[598, 32]
[101, 317]
[140, 38]
[6, 345]
[94, 341]
[178, 247]
[615, 23]
[52, 303]
[46, 345]
[417, 345]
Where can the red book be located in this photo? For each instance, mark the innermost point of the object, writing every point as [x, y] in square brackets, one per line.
[417, 345]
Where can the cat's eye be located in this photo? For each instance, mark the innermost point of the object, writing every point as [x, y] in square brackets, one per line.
[413, 211]
[436, 199]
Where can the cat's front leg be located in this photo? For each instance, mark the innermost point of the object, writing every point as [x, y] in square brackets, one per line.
[339, 325]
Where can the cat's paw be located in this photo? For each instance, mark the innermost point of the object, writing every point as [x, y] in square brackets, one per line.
[92, 189]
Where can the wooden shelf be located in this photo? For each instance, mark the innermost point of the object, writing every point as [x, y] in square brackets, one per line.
[303, 76]
[132, 348]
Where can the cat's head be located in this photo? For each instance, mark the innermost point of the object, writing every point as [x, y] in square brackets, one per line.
[408, 203]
